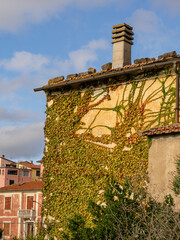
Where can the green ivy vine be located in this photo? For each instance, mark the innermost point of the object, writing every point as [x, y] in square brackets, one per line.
[76, 169]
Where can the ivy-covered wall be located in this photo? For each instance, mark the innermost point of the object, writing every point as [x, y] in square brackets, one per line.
[91, 134]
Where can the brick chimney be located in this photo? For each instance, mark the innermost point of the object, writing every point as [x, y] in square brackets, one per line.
[122, 41]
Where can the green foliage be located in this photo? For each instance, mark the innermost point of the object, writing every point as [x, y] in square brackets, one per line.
[31, 238]
[78, 229]
[126, 214]
[77, 166]
[176, 183]
[42, 232]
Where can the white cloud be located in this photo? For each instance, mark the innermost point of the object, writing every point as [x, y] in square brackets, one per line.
[7, 115]
[153, 37]
[93, 3]
[14, 14]
[14, 115]
[79, 60]
[25, 70]
[145, 21]
[22, 141]
[170, 6]
[33, 70]
[25, 62]
[9, 85]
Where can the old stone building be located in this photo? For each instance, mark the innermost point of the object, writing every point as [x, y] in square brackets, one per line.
[93, 121]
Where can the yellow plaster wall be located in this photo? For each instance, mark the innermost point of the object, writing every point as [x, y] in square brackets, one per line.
[34, 177]
[97, 118]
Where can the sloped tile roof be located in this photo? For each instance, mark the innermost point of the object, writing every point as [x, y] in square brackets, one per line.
[8, 160]
[30, 165]
[33, 185]
[175, 128]
[114, 72]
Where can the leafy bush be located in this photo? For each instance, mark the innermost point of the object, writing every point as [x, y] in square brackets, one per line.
[126, 214]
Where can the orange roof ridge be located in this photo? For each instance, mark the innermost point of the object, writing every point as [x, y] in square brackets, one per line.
[31, 165]
[32, 185]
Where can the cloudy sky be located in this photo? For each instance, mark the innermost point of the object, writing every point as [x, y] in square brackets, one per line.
[42, 39]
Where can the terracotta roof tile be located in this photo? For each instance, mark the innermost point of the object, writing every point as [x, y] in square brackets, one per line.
[30, 165]
[33, 185]
[116, 69]
[8, 160]
[103, 73]
[175, 128]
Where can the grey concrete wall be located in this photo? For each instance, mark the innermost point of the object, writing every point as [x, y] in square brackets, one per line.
[162, 166]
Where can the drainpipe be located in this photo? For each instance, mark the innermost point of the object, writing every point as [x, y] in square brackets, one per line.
[177, 92]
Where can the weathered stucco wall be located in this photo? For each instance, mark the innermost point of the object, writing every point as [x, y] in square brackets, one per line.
[162, 166]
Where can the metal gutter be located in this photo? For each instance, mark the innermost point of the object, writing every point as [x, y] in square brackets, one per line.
[122, 71]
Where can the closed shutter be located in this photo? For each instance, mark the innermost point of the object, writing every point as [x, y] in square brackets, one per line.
[7, 203]
[29, 202]
[6, 229]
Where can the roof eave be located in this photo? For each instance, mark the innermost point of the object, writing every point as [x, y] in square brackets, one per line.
[161, 130]
[109, 74]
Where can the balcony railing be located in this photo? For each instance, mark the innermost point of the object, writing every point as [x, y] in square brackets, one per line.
[29, 213]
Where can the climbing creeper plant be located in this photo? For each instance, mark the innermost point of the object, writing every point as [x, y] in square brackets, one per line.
[77, 166]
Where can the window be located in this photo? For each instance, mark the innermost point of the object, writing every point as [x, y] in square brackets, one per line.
[6, 229]
[12, 172]
[37, 173]
[29, 202]
[0, 171]
[24, 173]
[11, 182]
[7, 203]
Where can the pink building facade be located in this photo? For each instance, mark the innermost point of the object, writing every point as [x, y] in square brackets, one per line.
[13, 173]
[10, 175]
[20, 209]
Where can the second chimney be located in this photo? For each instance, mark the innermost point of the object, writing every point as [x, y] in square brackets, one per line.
[122, 41]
